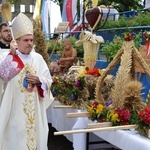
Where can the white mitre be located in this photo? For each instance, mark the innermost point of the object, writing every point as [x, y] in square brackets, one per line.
[21, 25]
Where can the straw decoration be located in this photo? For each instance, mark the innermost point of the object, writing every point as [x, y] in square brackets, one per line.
[126, 93]
[148, 99]
[41, 46]
[98, 90]
[133, 100]
[6, 13]
[122, 76]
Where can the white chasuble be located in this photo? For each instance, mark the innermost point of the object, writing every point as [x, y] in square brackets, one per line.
[23, 120]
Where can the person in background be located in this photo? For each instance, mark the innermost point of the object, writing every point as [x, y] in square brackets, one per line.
[5, 35]
[26, 92]
[55, 35]
[5, 39]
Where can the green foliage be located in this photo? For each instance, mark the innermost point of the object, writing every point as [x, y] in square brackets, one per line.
[52, 44]
[143, 19]
[122, 5]
[73, 41]
[110, 48]
[59, 46]
[13, 1]
[134, 119]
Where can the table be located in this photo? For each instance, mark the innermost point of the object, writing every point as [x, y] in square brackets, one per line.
[59, 120]
[123, 139]
[126, 140]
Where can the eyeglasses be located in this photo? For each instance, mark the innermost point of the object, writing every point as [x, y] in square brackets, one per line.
[6, 31]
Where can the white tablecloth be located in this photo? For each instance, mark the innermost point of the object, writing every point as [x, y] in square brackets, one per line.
[58, 118]
[123, 139]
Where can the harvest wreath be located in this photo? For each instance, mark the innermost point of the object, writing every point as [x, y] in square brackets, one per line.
[127, 107]
[78, 89]
[127, 104]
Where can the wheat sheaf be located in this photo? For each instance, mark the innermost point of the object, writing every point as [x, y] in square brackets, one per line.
[126, 92]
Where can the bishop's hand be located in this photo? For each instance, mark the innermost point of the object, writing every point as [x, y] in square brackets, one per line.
[13, 47]
[33, 79]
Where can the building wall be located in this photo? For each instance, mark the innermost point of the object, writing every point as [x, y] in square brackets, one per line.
[26, 4]
[17, 8]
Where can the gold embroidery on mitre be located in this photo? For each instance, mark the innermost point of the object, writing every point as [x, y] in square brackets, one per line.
[21, 25]
[29, 110]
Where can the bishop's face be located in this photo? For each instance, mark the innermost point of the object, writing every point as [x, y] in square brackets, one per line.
[25, 44]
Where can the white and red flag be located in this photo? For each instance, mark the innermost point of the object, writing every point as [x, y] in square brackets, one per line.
[69, 12]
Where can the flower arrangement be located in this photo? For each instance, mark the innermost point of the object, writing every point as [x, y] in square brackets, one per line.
[72, 87]
[75, 89]
[90, 41]
[98, 112]
[119, 116]
[102, 113]
[131, 111]
[144, 120]
[78, 89]
[127, 36]
[146, 36]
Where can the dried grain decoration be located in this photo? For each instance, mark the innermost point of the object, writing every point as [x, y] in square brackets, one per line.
[6, 11]
[7, 14]
[122, 76]
[133, 100]
[98, 89]
[127, 56]
[41, 46]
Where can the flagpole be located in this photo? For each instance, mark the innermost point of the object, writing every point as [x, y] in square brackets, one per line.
[50, 20]
[83, 15]
[89, 4]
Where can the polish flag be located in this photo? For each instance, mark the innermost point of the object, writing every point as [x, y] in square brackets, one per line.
[69, 12]
[81, 23]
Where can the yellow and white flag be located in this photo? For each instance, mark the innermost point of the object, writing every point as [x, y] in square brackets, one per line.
[94, 3]
[37, 9]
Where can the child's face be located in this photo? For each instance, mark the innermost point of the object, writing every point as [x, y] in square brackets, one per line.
[66, 46]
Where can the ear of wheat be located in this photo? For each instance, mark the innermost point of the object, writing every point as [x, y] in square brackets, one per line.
[6, 13]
